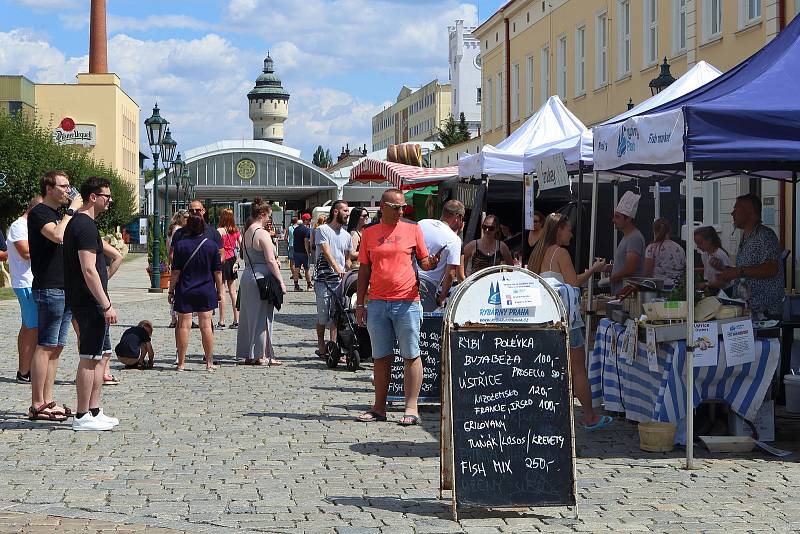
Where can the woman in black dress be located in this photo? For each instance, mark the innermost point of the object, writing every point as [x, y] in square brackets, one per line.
[195, 287]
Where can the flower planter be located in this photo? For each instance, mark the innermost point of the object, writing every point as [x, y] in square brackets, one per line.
[164, 280]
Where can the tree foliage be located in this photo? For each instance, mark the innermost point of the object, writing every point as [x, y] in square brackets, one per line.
[27, 151]
[322, 158]
[454, 132]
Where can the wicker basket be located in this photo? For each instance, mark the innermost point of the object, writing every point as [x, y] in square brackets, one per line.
[656, 436]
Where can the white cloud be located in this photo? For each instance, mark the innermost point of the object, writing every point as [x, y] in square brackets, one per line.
[49, 5]
[408, 37]
[23, 51]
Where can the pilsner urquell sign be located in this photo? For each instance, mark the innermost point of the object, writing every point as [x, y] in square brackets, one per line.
[69, 133]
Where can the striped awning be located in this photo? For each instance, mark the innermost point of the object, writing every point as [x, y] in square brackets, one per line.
[399, 175]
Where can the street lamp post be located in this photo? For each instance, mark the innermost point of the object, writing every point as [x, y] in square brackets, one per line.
[155, 126]
[188, 186]
[177, 173]
[663, 80]
[167, 156]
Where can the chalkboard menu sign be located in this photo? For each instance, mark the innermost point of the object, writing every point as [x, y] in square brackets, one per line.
[430, 351]
[511, 405]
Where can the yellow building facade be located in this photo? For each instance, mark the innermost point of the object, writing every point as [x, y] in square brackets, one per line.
[103, 118]
[599, 55]
[416, 115]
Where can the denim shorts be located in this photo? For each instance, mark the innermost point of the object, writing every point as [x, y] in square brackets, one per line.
[53, 317]
[394, 320]
[576, 339]
[290, 253]
[27, 307]
[325, 302]
[94, 341]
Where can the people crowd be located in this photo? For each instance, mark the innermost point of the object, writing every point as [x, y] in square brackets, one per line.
[60, 270]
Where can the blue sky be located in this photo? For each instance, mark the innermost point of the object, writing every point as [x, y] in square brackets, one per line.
[341, 60]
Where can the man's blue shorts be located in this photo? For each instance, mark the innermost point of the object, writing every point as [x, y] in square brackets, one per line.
[27, 307]
[300, 260]
[390, 320]
[576, 338]
[54, 317]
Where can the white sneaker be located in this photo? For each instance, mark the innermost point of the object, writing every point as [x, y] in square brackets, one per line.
[106, 419]
[88, 422]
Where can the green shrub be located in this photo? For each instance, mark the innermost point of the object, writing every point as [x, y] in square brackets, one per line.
[27, 151]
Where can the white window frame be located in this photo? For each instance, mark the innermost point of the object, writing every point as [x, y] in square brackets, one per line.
[561, 66]
[515, 92]
[530, 87]
[601, 49]
[580, 60]
[623, 38]
[649, 33]
[680, 26]
[487, 99]
[544, 74]
[498, 117]
[745, 19]
[709, 7]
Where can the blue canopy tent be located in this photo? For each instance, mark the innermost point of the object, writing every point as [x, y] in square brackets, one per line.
[745, 122]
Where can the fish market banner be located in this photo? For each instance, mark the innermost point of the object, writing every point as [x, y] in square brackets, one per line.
[649, 139]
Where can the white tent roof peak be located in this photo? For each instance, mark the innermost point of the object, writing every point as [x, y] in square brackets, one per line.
[552, 123]
[697, 76]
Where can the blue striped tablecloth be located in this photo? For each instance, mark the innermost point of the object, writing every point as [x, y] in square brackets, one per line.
[643, 395]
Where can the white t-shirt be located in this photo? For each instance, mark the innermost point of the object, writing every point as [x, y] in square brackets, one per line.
[709, 272]
[21, 275]
[437, 234]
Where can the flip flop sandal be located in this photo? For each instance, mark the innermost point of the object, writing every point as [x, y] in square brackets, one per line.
[603, 422]
[110, 380]
[370, 417]
[415, 420]
[273, 362]
[321, 355]
[39, 414]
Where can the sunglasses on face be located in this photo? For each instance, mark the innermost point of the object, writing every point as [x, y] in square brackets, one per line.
[396, 206]
[489, 228]
[364, 216]
[196, 210]
[105, 196]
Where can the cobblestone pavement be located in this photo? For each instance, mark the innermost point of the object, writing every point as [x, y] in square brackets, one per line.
[275, 450]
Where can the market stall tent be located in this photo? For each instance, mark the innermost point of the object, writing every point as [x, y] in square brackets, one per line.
[743, 122]
[401, 176]
[551, 124]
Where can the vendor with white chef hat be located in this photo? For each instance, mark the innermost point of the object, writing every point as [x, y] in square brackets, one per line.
[629, 256]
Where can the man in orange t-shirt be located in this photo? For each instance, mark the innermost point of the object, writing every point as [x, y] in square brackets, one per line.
[394, 312]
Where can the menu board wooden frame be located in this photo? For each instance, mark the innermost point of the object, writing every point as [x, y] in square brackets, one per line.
[548, 316]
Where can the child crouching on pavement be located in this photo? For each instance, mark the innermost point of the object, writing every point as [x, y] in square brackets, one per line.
[134, 345]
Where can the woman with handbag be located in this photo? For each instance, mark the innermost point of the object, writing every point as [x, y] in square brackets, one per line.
[254, 337]
[195, 286]
[231, 240]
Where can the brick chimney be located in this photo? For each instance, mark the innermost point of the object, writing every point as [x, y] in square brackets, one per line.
[98, 41]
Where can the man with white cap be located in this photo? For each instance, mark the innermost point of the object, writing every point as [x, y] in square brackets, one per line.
[629, 256]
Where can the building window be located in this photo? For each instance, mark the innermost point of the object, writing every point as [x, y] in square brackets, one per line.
[679, 25]
[498, 116]
[529, 87]
[544, 75]
[650, 48]
[514, 92]
[749, 12]
[711, 201]
[489, 105]
[601, 50]
[580, 61]
[712, 20]
[561, 61]
[624, 37]
[479, 95]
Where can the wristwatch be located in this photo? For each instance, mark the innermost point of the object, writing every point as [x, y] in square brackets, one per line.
[70, 212]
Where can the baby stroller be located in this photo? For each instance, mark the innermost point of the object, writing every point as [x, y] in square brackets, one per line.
[352, 340]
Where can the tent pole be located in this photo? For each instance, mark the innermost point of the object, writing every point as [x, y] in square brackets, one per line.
[794, 231]
[657, 199]
[689, 319]
[614, 207]
[592, 237]
[578, 220]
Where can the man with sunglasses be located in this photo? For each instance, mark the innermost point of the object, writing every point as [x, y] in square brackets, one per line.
[394, 312]
[441, 235]
[45, 235]
[86, 291]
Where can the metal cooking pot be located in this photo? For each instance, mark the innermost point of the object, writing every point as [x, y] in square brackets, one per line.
[645, 290]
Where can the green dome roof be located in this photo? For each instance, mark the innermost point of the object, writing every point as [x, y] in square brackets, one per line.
[268, 84]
